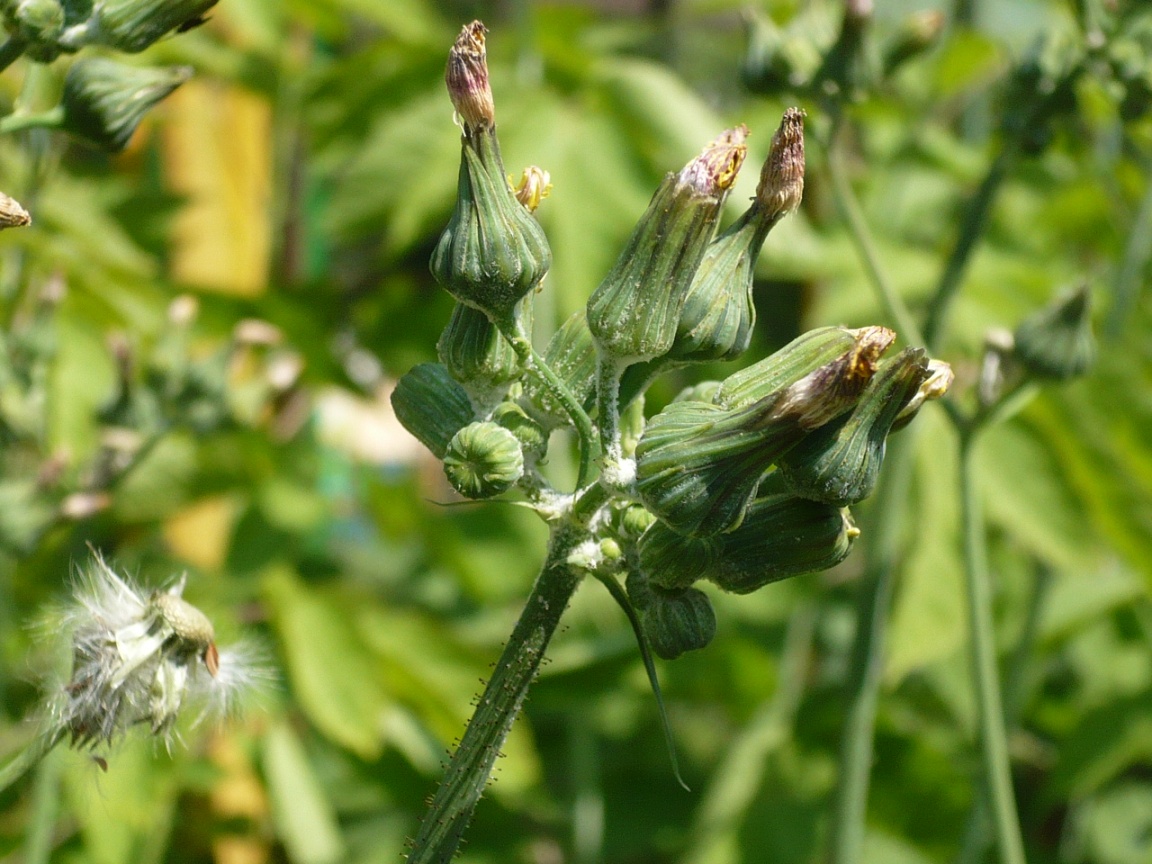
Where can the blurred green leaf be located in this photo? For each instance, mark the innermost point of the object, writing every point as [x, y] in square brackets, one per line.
[304, 818]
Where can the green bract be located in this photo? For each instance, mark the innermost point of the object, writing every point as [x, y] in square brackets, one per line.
[133, 25]
[104, 101]
[1057, 341]
[431, 405]
[476, 355]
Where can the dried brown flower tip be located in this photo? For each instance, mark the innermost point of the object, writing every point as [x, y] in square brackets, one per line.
[12, 215]
[715, 169]
[782, 177]
[467, 78]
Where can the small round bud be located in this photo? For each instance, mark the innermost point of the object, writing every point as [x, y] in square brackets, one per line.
[483, 460]
[476, 355]
[677, 621]
[39, 23]
[528, 432]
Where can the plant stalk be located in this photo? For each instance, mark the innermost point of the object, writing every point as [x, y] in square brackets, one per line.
[18, 122]
[875, 601]
[30, 756]
[471, 765]
[996, 766]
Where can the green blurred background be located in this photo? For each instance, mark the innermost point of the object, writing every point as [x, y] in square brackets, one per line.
[301, 179]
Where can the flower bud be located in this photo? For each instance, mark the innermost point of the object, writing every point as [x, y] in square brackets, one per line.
[432, 406]
[133, 25]
[635, 520]
[698, 465]
[938, 382]
[802, 355]
[781, 536]
[674, 560]
[717, 319]
[673, 621]
[493, 251]
[533, 439]
[39, 24]
[840, 462]
[476, 355]
[1057, 342]
[483, 460]
[104, 101]
[634, 313]
[571, 354]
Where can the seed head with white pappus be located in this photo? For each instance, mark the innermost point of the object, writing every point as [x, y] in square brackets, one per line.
[138, 658]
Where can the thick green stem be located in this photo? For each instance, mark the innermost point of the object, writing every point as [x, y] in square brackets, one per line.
[608, 406]
[996, 766]
[29, 757]
[856, 741]
[971, 229]
[520, 343]
[471, 765]
[49, 119]
[890, 300]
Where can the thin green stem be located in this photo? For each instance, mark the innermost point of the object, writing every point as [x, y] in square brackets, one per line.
[996, 766]
[471, 765]
[30, 756]
[50, 119]
[11, 51]
[971, 229]
[890, 300]
[514, 333]
[975, 835]
[1137, 252]
[873, 604]
[45, 810]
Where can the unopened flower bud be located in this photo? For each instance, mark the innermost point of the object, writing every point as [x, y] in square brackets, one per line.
[803, 355]
[483, 460]
[432, 406]
[12, 214]
[533, 439]
[1057, 342]
[635, 312]
[840, 462]
[698, 465]
[39, 24]
[674, 560]
[635, 520]
[104, 101]
[493, 251]
[133, 25]
[938, 383]
[673, 621]
[535, 185]
[571, 354]
[718, 315]
[476, 355]
[781, 536]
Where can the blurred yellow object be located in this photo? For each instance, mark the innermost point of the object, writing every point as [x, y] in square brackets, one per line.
[217, 143]
[200, 532]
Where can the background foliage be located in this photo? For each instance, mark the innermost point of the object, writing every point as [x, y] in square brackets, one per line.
[301, 178]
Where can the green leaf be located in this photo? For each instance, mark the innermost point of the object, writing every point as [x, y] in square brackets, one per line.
[304, 818]
[331, 669]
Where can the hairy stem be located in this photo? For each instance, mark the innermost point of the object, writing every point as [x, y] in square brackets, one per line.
[608, 406]
[471, 765]
[996, 766]
[520, 343]
[875, 600]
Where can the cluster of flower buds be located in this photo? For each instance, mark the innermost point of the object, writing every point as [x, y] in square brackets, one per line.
[138, 659]
[738, 483]
[49, 28]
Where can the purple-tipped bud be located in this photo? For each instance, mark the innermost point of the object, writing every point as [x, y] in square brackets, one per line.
[467, 78]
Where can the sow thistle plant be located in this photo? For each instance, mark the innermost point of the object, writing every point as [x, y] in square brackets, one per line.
[739, 483]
